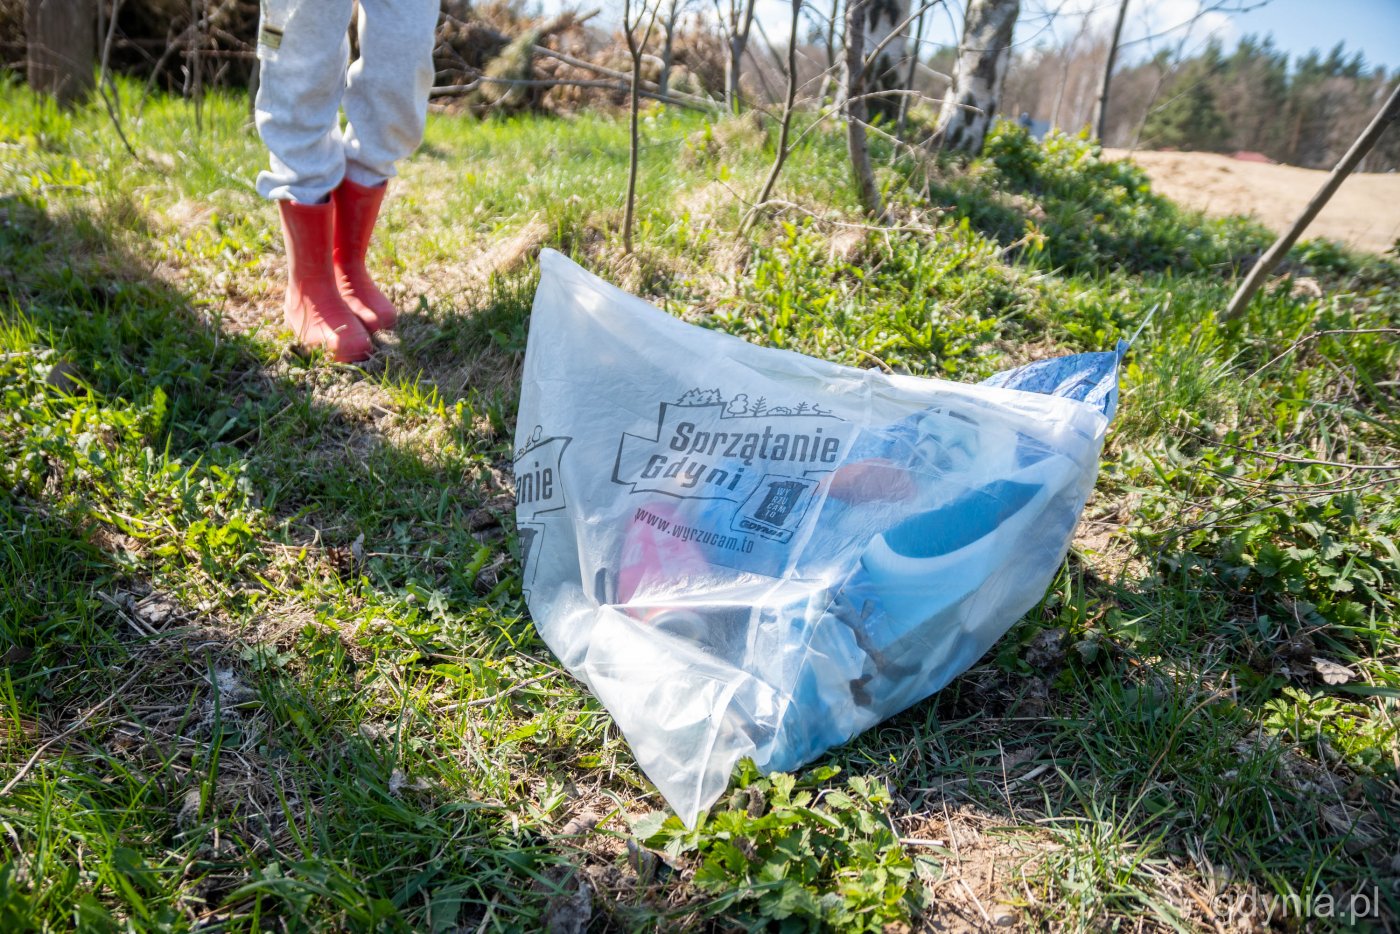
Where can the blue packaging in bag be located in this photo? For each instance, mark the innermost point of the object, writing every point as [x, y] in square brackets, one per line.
[744, 551]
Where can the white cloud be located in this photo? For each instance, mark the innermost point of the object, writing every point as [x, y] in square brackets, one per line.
[1178, 19]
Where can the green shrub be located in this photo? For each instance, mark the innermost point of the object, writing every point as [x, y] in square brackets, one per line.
[1098, 214]
[782, 850]
[916, 306]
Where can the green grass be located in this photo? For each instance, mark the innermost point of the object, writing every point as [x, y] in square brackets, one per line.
[261, 621]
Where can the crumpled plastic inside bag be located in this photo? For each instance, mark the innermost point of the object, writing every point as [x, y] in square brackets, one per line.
[744, 551]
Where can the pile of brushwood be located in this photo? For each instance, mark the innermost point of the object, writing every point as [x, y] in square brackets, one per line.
[489, 57]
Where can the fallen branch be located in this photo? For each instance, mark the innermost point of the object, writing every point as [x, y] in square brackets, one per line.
[1314, 336]
[846, 225]
[1290, 459]
[454, 90]
[76, 725]
[1383, 118]
[499, 695]
[678, 96]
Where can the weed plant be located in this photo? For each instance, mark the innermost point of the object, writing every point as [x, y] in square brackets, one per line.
[266, 661]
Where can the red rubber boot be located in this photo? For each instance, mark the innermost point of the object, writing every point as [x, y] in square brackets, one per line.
[356, 210]
[314, 309]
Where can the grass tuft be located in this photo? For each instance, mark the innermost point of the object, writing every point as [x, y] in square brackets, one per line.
[266, 661]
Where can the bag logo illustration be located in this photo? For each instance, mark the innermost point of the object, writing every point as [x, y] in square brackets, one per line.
[538, 489]
[763, 458]
[776, 507]
[530, 539]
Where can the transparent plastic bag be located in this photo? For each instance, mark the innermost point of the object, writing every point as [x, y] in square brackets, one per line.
[744, 551]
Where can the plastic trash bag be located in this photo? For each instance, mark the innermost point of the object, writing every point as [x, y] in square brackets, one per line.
[744, 551]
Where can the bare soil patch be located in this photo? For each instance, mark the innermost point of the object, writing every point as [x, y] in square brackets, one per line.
[1364, 213]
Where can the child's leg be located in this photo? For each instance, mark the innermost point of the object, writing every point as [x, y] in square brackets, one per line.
[303, 48]
[386, 107]
[386, 102]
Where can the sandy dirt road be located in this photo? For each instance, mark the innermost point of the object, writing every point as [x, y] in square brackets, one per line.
[1364, 213]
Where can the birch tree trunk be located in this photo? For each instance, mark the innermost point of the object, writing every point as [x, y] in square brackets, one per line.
[61, 46]
[831, 84]
[913, 59]
[983, 55]
[886, 29]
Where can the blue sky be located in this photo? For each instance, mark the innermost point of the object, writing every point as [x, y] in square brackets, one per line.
[1373, 26]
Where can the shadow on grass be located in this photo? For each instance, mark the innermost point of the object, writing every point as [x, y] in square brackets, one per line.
[224, 695]
[1063, 205]
[343, 735]
[1133, 761]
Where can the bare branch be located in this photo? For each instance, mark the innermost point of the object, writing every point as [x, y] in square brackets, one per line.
[694, 99]
[909, 77]
[896, 32]
[635, 47]
[854, 106]
[781, 155]
[620, 87]
[1383, 118]
[106, 86]
[1197, 17]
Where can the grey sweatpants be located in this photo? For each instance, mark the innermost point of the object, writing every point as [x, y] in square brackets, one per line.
[307, 78]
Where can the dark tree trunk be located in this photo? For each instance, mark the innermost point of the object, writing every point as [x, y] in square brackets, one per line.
[1105, 82]
[61, 44]
[855, 111]
[786, 126]
[668, 47]
[740, 21]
